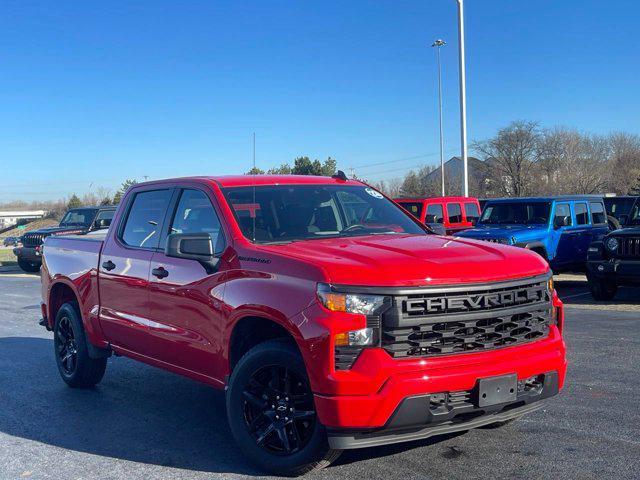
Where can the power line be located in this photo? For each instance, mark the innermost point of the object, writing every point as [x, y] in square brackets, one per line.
[415, 157]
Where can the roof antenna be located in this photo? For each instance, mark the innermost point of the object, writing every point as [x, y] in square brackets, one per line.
[340, 176]
[253, 207]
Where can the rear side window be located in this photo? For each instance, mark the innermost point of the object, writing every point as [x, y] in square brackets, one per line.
[582, 217]
[472, 212]
[455, 212]
[597, 213]
[195, 214]
[435, 209]
[145, 218]
[563, 210]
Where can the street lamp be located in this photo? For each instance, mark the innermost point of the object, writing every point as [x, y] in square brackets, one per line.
[463, 98]
[440, 43]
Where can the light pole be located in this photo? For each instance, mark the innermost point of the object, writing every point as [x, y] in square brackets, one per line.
[440, 43]
[463, 98]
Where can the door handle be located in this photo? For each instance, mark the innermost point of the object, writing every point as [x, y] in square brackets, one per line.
[108, 265]
[160, 272]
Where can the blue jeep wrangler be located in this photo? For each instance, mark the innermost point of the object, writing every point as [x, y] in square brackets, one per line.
[558, 228]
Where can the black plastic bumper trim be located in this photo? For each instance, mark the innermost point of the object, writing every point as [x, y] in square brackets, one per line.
[413, 420]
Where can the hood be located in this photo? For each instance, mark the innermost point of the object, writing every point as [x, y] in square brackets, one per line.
[501, 231]
[54, 230]
[413, 260]
[626, 231]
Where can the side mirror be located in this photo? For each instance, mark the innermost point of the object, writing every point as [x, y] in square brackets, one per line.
[473, 221]
[102, 223]
[559, 222]
[437, 228]
[428, 218]
[193, 246]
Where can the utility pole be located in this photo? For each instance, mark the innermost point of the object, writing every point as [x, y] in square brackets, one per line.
[440, 43]
[463, 98]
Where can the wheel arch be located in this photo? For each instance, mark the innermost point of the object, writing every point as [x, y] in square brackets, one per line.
[251, 330]
[60, 293]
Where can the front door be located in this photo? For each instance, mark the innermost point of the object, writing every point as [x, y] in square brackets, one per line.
[184, 299]
[565, 237]
[124, 271]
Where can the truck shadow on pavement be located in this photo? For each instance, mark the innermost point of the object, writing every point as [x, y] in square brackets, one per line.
[137, 413]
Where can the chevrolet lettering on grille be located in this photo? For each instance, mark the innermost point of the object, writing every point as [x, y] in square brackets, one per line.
[481, 301]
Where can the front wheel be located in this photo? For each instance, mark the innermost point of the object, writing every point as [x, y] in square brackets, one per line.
[75, 365]
[602, 290]
[27, 266]
[272, 414]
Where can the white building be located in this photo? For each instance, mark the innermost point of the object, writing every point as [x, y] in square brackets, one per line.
[8, 218]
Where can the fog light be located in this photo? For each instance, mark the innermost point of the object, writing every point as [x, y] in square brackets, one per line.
[356, 338]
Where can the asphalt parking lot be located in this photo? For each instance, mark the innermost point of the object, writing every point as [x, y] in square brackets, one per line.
[141, 422]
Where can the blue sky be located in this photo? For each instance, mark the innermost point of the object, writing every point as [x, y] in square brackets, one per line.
[94, 92]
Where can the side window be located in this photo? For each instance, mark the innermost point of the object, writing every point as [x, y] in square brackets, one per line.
[455, 212]
[598, 216]
[435, 209]
[562, 210]
[145, 217]
[582, 217]
[472, 212]
[195, 214]
[105, 215]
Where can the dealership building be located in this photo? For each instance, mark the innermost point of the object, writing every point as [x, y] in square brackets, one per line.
[10, 218]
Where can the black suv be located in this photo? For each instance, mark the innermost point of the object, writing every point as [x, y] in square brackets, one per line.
[615, 260]
[621, 209]
[75, 221]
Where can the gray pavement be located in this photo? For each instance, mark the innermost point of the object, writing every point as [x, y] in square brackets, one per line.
[143, 423]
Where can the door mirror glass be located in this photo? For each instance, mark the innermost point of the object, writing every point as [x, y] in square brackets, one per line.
[102, 223]
[193, 246]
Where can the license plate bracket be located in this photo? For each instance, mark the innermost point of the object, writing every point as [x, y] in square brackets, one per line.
[497, 390]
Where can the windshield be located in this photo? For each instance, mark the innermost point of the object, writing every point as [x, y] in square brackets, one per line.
[619, 206]
[516, 213]
[78, 217]
[414, 208]
[286, 213]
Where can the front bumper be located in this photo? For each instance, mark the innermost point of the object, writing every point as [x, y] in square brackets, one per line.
[618, 271]
[424, 416]
[29, 254]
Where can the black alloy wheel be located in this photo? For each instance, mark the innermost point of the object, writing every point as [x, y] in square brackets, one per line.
[66, 346]
[278, 410]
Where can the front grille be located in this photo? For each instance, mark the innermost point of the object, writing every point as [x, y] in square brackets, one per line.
[32, 239]
[449, 321]
[628, 247]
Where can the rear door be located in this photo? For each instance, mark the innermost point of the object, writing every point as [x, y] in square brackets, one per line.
[185, 301]
[599, 224]
[472, 213]
[582, 231]
[124, 269]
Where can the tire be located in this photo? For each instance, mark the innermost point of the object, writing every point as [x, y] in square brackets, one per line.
[613, 222]
[493, 426]
[75, 366]
[257, 399]
[602, 290]
[27, 266]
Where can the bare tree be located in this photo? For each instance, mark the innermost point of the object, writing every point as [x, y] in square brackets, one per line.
[512, 153]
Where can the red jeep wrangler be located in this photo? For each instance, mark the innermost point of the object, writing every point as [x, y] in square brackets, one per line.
[332, 318]
[454, 213]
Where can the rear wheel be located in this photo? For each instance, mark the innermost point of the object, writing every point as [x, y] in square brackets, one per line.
[602, 290]
[272, 413]
[28, 266]
[76, 368]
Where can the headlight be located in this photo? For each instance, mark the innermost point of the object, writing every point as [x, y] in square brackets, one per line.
[612, 244]
[349, 302]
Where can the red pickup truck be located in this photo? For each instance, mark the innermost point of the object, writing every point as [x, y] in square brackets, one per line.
[333, 319]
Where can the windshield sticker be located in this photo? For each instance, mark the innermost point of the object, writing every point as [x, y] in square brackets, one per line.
[373, 193]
